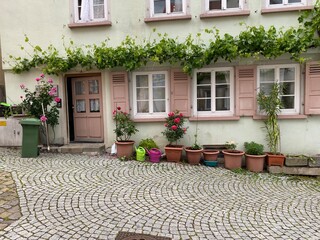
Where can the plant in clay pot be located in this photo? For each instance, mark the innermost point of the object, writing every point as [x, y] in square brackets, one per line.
[125, 128]
[174, 131]
[232, 157]
[270, 104]
[254, 156]
[194, 152]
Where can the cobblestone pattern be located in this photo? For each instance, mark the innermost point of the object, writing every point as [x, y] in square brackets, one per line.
[66, 196]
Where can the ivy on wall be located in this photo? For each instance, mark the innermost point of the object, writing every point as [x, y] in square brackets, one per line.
[192, 53]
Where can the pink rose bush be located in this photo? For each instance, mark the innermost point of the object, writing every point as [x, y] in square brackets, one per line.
[174, 129]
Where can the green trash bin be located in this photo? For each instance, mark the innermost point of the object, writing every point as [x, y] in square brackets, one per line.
[30, 137]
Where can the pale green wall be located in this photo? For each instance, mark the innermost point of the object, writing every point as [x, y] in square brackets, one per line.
[47, 22]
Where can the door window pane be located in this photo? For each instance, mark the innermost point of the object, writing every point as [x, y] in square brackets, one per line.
[94, 105]
[79, 87]
[93, 87]
[80, 106]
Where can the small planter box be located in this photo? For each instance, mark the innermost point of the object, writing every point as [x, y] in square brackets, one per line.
[297, 161]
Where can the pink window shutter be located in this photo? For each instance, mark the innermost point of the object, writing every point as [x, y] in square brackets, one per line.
[180, 92]
[312, 96]
[245, 90]
[119, 91]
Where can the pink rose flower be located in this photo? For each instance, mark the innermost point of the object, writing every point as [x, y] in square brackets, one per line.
[166, 124]
[50, 80]
[38, 79]
[57, 99]
[176, 120]
[42, 75]
[181, 115]
[51, 93]
[174, 127]
[119, 108]
[171, 114]
[54, 89]
[43, 118]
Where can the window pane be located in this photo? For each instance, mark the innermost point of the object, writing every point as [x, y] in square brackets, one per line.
[142, 93]
[158, 80]
[98, 11]
[203, 78]
[222, 77]
[214, 4]
[94, 105]
[267, 75]
[143, 106]
[79, 86]
[93, 87]
[96, 2]
[222, 104]
[159, 93]
[288, 88]
[159, 6]
[232, 3]
[287, 102]
[266, 88]
[142, 81]
[222, 91]
[81, 106]
[176, 5]
[287, 74]
[159, 106]
[204, 92]
[294, 1]
[276, 1]
[204, 105]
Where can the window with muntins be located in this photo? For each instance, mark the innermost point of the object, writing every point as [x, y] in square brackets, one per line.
[214, 92]
[162, 8]
[214, 5]
[86, 11]
[288, 77]
[285, 2]
[150, 94]
[286, 5]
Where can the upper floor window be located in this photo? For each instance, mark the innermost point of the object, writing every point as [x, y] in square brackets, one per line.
[90, 11]
[288, 77]
[285, 5]
[165, 7]
[284, 2]
[214, 91]
[219, 8]
[150, 94]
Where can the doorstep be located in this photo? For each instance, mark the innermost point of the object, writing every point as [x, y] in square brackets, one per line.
[77, 148]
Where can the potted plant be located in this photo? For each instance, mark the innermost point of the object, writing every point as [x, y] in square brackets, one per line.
[125, 128]
[152, 149]
[254, 156]
[271, 105]
[232, 157]
[194, 152]
[174, 131]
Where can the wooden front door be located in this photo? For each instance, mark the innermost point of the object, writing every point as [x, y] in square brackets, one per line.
[87, 109]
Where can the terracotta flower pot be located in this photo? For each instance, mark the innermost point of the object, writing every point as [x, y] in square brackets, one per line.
[255, 163]
[210, 155]
[173, 153]
[275, 159]
[124, 149]
[232, 159]
[193, 156]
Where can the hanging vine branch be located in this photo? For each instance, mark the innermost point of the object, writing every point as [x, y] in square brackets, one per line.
[191, 53]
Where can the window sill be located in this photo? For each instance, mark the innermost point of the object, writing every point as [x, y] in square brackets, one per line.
[143, 120]
[300, 116]
[169, 18]
[90, 24]
[221, 118]
[224, 14]
[285, 9]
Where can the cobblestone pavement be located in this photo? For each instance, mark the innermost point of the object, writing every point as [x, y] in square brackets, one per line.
[65, 196]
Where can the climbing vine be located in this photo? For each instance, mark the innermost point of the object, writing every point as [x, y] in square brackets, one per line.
[191, 53]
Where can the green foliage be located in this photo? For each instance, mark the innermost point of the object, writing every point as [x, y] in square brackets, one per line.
[253, 148]
[41, 103]
[148, 143]
[191, 53]
[125, 127]
[271, 105]
[231, 145]
[174, 129]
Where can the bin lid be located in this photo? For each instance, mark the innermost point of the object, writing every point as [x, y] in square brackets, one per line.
[30, 121]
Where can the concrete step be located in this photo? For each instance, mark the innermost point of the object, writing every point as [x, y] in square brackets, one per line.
[78, 148]
[308, 171]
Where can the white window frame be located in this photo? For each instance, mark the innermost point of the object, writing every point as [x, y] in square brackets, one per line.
[285, 3]
[213, 111]
[168, 9]
[224, 6]
[296, 109]
[151, 114]
[77, 17]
